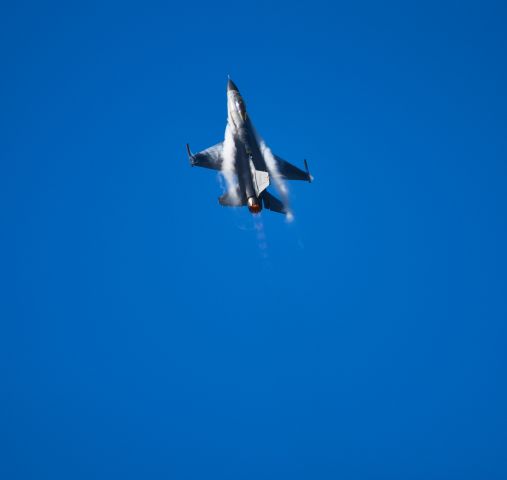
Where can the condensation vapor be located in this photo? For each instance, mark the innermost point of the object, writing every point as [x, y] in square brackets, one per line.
[228, 163]
[262, 242]
[280, 184]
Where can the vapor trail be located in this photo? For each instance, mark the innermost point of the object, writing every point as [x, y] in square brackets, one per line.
[228, 163]
[277, 178]
[261, 237]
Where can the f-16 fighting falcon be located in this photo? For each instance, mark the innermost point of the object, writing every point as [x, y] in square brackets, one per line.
[246, 163]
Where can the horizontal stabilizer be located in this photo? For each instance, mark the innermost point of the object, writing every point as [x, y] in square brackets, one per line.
[272, 203]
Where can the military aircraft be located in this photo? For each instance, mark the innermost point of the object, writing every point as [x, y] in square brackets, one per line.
[243, 156]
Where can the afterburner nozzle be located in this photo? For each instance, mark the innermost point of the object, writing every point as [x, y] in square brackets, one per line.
[254, 205]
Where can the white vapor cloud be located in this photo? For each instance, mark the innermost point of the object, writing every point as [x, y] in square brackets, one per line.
[279, 182]
[228, 163]
[262, 242]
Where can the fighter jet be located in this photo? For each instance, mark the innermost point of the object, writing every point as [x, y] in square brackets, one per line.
[243, 159]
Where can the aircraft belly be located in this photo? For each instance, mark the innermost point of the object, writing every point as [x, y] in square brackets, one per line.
[245, 176]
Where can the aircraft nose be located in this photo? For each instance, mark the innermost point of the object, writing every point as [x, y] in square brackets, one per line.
[231, 86]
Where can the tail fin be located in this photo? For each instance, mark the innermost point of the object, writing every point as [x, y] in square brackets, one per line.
[261, 181]
[272, 203]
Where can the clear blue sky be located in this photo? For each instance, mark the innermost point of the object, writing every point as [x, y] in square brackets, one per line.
[144, 335]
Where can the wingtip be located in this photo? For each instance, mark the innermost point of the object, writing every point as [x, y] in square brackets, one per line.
[190, 156]
[310, 177]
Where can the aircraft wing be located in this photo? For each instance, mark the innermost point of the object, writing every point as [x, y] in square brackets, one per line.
[291, 172]
[209, 158]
